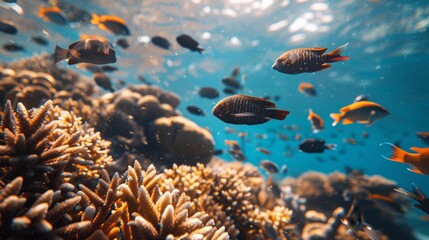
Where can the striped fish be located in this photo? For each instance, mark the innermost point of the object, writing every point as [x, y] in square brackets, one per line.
[242, 109]
[302, 60]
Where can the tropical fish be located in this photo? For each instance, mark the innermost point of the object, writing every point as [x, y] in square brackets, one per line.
[235, 72]
[302, 60]
[354, 222]
[364, 112]
[195, 110]
[123, 43]
[237, 155]
[424, 136]
[40, 40]
[313, 145]
[307, 89]
[108, 68]
[351, 141]
[263, 150]
[283, 137]
[114, 24]
[417, 195]
[74, 14]
[316, 121]
[208, 92]
[7, 27]
[233, 145]
[269, 166]
[54, 15]
[230, 130]
[361, 97]
[13, 47]
[231, 82]
[89, 67]
[96, 50]
[188, 42]
[229, 91]
[161, 42]
[103, 81]
[419, 160]
[242, 109]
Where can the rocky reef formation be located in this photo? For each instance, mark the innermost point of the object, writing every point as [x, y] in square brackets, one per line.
[140, 121]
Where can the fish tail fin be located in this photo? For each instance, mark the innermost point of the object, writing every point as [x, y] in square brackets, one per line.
[60, 54]
[95, 18]
[276, 114]
[337, 118]
[397, 154]
[335, 56]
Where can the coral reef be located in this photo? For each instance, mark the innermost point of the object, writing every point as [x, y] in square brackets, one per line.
[228, 192]
[142, 120]
[34, 80]
[324, 193]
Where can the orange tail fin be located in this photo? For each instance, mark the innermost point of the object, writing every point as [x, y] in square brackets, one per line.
[336, 117]
[397, 154]
[335, 56]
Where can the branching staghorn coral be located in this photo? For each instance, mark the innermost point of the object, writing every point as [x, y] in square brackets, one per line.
[47, 147]
[43, 218]
[155, 214]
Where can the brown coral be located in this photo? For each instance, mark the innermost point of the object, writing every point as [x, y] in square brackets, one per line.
[160, 214]
[228, 193]
[43, 144]
[45, 217]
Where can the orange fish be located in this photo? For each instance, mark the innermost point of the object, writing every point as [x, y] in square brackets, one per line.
[419, 160]
[307, 89]
[232, 144]
[316, 121]
[116, 25]
[364, 112]
[53, 14]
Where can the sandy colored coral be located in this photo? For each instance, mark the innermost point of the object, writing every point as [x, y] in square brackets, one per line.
[42, 218]
[228, 193]
[43, 144]
[156, 214]
[179, 140]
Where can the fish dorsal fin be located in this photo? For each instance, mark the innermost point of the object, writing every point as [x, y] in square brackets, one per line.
[71, 46]
[266, 103]
[420, 150]
[318, 51]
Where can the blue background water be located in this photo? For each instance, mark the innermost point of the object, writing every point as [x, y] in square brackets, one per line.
[389, 62]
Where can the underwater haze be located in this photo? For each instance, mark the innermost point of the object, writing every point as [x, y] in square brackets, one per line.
[388, 50]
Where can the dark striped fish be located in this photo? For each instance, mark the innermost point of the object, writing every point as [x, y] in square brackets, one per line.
[302, 60]
[242, 109]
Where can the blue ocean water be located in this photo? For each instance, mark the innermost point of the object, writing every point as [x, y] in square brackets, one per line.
[389, 62]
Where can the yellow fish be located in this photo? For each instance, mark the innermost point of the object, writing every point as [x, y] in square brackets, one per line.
[364, 112]
[419, 160]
